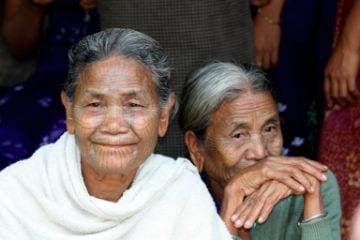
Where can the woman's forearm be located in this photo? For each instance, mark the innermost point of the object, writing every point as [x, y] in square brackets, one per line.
[350, 35]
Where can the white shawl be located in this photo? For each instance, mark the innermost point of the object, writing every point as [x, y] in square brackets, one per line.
[44, 197]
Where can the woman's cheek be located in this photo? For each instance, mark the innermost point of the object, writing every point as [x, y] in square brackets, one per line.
[275, 146]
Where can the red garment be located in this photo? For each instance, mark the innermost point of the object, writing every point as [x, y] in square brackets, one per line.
[340, 142]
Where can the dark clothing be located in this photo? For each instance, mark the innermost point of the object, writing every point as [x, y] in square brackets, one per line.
[191, 32]
[31, 114]
[306, 33]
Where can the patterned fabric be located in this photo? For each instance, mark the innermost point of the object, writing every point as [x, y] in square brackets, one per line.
[31, 113]
[339, 146]
[191, 32]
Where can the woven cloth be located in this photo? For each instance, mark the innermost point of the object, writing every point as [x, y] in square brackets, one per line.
[191, 33]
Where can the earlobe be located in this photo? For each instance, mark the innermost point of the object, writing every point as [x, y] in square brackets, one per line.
[194, 149]
[165, 116]
[69, 118]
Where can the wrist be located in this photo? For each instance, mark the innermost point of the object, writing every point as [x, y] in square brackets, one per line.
[312, 204]
[349, 43]
[267, 18]
[315, 217]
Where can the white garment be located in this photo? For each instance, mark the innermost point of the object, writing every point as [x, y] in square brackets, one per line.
[44, 197]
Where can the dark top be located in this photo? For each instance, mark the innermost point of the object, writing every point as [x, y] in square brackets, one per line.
[191, 32]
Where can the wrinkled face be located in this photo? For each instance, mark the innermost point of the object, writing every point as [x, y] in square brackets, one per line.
[243, 131]
[115, 115]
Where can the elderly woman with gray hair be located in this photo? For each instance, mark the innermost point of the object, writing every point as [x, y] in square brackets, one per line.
[232, 131]
[101, 180]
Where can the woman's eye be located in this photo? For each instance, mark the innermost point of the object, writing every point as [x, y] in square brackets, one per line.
[270, 129]
[94, 104]
[135, 105]
[238, 135]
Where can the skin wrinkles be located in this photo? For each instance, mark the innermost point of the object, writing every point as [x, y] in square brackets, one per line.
[241, 132]
[132, 104]
[115, 115]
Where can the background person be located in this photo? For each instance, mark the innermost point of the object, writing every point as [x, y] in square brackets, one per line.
[339, 145]
[31, 113]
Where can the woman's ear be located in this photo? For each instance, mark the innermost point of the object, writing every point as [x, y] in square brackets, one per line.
[69, 118]
[195, 150]
[166, 115]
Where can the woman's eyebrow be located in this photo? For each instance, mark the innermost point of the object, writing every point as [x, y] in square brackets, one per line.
[273, 119]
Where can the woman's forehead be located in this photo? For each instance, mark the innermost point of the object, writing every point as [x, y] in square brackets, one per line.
[246, 103]
[116, 74]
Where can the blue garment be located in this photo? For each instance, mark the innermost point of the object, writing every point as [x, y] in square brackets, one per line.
[306, 39]
[31, 114]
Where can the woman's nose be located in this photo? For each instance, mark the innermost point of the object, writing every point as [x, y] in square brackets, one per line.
[115, 121]
[256, 149]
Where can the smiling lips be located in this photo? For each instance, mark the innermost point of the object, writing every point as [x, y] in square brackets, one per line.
[115, 145]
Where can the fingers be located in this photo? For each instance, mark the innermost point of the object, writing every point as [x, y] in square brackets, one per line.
[232, 199]
[292, 171]
[327, 93]
[341, 75]
[334, 90]
[352, 88]
[267, 40]
[258, 205]
[310, 167]
[315, 164]
[298, 182]
[286, 177]
[249, 210]
[272, 201]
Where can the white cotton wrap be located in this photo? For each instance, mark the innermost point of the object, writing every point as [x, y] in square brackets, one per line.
[44, 197]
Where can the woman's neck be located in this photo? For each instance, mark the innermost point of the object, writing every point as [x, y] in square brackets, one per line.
[215, 188]
[106, 186]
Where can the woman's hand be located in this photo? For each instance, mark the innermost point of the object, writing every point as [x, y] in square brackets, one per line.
[267, 41]
[343, 67]
[88, 4]
[292, 172]
[259, 204]
[228, 207]
[341, 75]
[313, 203]
[267, 33]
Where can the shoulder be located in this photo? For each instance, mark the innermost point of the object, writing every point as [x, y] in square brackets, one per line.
[28, 170]
[183, 174]
[182, 165]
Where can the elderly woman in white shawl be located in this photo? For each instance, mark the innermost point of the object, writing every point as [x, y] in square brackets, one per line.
[101, 180]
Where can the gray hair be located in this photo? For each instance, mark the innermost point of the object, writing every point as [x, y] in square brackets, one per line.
[210, 86]
[119, 42]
